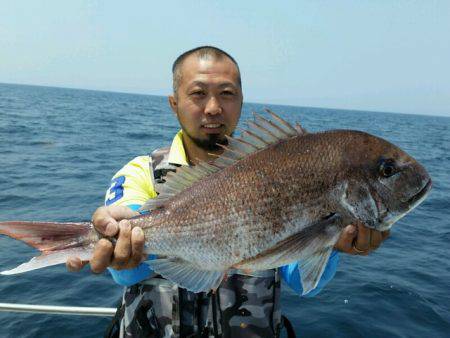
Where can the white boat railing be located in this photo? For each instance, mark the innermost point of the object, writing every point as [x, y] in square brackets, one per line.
[62, 310]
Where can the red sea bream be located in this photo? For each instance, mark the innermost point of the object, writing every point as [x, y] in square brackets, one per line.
[276, 195]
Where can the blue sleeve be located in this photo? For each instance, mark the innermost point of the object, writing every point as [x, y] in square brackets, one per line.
[291, 275]
[131, 276]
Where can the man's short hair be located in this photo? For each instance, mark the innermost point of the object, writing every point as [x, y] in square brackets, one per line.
[202, 52]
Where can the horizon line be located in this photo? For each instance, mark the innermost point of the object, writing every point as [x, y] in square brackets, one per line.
[248, 102]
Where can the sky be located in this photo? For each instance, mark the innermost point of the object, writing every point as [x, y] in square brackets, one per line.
[391, 56]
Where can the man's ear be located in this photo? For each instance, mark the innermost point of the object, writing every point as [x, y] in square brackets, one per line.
[173, 103]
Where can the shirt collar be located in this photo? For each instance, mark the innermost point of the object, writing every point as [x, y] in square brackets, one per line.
[177, 154]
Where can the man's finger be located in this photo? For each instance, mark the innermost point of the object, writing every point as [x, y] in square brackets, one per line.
[104, 222]
[120, 212]
[122, 251]
[75, 264]
[105, 219]
[362, 242]
[375, 239]
[102, 255]
[137, 247]
[346, 238]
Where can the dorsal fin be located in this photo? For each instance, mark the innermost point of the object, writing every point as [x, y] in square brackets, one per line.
[260, 134]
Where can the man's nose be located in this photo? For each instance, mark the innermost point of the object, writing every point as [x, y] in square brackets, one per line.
[213, 106]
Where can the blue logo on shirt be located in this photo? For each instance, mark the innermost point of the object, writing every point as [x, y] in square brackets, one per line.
[116, 190]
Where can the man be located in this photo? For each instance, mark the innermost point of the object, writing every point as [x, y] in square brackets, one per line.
[207, 100]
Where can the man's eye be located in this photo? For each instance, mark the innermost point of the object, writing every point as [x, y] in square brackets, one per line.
[227, 92]
[198, 93]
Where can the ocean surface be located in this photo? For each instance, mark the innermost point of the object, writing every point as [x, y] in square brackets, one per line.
[60, 147]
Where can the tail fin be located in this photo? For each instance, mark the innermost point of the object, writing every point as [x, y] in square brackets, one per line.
[56, 241]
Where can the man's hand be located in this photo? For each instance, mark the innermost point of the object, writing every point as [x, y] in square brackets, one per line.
[360, 240]
[128, 252]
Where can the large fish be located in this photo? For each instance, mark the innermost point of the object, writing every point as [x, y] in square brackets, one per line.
[276, 195]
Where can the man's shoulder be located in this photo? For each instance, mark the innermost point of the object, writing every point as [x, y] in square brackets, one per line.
[137, 164]
[140, 160]
[132, 184]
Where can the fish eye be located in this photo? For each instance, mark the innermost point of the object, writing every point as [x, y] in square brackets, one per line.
[387, 167]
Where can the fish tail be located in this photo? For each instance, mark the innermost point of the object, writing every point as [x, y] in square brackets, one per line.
[56, 241]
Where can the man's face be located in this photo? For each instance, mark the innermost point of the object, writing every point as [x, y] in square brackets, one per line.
[208, 101]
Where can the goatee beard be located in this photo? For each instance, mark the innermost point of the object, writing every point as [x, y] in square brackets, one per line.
[211, 143]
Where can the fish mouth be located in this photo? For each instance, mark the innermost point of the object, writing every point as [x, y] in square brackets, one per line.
[389, 219]
[421, 194]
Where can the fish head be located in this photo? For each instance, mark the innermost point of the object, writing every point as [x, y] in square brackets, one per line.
[396, 182]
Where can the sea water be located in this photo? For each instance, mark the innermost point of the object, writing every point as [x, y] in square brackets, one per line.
[60, 147]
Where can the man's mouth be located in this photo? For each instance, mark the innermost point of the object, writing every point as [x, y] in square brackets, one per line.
[212, 125]
[212, 128]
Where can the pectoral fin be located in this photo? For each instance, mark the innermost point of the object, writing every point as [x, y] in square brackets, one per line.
[304, 244]
[186, 274]
[311, 247]
[312, 267]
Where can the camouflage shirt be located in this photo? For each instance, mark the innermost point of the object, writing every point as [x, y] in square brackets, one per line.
[243, 306]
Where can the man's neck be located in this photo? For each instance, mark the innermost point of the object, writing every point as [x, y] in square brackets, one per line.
[195, 154]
